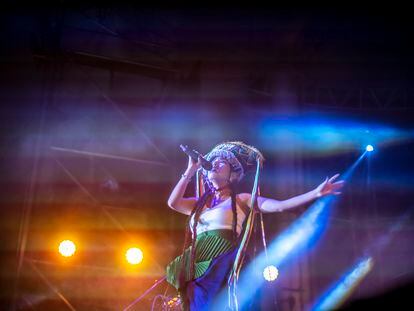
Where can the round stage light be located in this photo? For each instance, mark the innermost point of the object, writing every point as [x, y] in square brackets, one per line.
[369, 148]
[270, 273]
[134, 255]
[67, 248]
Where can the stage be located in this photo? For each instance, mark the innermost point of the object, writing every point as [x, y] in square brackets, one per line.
[96, 100]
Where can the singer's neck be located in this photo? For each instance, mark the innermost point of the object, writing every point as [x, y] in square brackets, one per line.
[221, 189]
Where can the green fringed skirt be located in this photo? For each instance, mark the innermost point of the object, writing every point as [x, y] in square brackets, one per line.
[209, 245]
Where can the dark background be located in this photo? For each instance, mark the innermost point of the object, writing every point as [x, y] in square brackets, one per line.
[96, 99]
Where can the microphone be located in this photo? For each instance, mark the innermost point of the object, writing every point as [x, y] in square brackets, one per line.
[194, 155]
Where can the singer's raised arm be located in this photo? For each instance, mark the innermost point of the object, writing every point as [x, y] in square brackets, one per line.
[268, 205]
[176, 201]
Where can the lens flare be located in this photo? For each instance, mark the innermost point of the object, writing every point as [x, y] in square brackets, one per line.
[369, 148]
[67, 248]
[134, 255]
[270, 273]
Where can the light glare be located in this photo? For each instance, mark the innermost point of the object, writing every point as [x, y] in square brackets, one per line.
[134, 255]
[67, 248]
[369, 148]
[270, 273]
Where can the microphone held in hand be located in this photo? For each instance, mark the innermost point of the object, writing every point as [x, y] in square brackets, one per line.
[194, 155]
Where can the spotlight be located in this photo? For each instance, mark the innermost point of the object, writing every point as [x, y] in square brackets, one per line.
[369, 148]
[134, 255]
[67, 248]
[270, 273]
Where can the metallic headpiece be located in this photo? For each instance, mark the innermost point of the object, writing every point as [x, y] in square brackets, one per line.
[241, 157]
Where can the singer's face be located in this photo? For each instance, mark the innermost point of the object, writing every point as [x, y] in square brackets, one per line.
[221, 170]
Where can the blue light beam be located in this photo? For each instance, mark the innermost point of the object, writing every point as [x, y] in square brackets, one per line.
[299, 236]
[341, 290]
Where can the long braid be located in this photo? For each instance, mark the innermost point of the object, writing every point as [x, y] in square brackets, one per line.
[234, 209]
[191, 239]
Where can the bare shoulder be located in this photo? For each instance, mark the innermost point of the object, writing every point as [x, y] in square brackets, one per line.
[244, 198]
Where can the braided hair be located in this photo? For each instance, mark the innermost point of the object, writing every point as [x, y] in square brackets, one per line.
[191, 229]
[234, 209]
[190, 239]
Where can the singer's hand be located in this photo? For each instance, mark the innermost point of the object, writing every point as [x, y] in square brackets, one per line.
[193, 166]
[330, 187]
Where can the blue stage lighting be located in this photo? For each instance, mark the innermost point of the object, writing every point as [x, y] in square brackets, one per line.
[270, 273]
